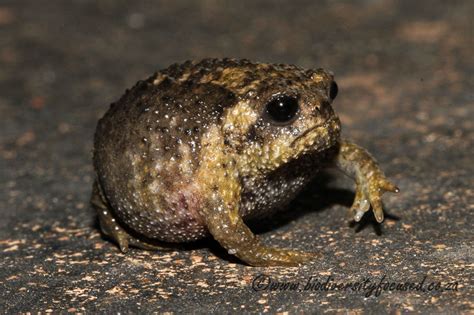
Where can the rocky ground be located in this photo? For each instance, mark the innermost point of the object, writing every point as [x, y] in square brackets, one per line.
[405, 73]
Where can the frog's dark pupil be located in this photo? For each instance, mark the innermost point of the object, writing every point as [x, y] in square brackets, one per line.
[333, 90]
[282, 109]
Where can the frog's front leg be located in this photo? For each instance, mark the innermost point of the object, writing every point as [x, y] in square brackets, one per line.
[370, 180]
[227, 227]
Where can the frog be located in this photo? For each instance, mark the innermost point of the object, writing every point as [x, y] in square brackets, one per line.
[199, 148]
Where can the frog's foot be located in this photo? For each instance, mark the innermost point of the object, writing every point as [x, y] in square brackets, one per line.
[369, 193]
[110, 226]
[371, 182]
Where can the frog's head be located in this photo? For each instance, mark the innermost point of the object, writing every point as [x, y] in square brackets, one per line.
[282, 113]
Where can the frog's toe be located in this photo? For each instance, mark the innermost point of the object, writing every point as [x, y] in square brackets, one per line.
[110, 228]
[122, 241]
[377, 209]
[387, 185]
[360, 205]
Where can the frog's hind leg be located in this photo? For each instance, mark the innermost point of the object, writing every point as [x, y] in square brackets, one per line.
[110, 226]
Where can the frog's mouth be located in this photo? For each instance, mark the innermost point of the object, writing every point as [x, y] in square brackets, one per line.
[319, 137]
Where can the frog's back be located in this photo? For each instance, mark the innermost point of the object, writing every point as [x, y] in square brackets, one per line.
[146, 151]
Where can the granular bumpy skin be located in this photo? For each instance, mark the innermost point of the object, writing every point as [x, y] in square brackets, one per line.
[199, 147]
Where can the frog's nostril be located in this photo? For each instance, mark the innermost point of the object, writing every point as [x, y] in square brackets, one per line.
[319, 108]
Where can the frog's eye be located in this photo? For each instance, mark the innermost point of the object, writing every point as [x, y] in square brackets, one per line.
[282, 110]
[333, 89]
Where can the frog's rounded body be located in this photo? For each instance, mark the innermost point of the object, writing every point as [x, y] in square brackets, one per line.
[198, 146]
